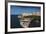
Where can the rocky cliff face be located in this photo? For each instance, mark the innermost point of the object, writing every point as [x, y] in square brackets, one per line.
[15, 22]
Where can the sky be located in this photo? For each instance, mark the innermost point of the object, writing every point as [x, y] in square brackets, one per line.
[16, 10]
